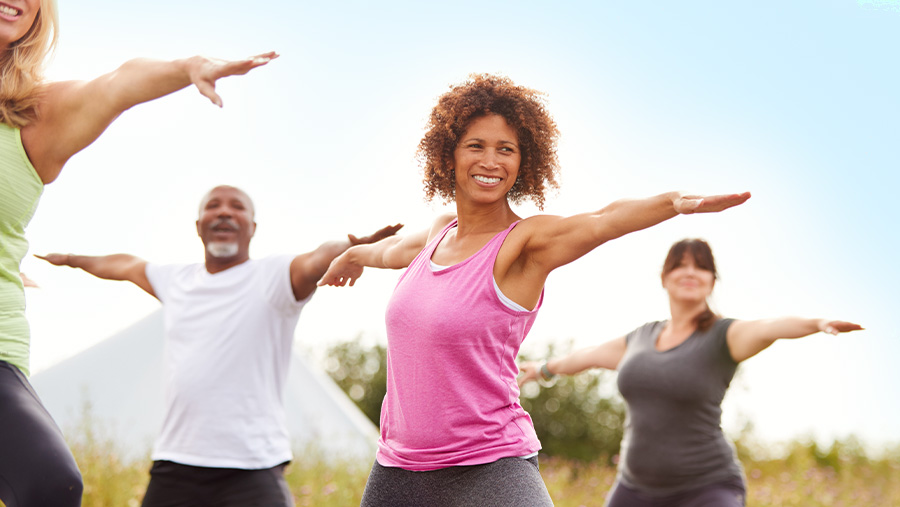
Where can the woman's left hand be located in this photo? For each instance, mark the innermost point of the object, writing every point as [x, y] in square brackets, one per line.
[687, 204]
[837, 326]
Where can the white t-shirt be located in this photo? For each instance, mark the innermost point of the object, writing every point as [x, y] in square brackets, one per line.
[228, 339]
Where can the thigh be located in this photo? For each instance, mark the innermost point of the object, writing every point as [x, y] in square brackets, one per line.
[622, 496]
[177, 485]
[506, 482]
[726, 494]
[255, 488]
[36, 466]
[396, 487]
[174, 485]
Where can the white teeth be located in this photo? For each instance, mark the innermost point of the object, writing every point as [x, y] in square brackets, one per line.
[485, 179]
[9, 11]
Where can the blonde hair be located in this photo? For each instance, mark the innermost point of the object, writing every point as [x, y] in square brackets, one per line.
[22, 66]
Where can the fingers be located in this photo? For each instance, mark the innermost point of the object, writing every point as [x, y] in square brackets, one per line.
[715, 203]
[208, 89]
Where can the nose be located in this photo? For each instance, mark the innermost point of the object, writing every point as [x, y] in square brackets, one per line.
[490, 160]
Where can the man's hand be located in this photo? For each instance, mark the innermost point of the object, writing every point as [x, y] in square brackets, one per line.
[384, 232]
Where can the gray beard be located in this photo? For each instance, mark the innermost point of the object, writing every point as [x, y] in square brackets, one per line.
[221, 249]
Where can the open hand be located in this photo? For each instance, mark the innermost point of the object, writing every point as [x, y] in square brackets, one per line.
[56, 259]
[28, 282]
[528, 371]
[837, 326]
[380, 234]
[687, 204]
[341, 271]
[204, 72]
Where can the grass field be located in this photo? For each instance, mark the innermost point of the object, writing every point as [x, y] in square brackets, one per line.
[806, 476]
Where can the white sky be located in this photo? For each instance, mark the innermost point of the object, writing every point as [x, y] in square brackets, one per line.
[795, 102]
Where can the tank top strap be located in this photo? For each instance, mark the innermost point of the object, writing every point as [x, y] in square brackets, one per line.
[493, 246]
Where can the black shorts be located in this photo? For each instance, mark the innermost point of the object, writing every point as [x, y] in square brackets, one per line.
[177, 485]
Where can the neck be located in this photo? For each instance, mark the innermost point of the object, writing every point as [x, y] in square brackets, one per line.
[684, 312]
[474, 218]
[217, 264]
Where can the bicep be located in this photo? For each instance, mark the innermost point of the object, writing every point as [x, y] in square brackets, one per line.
[137, 274]
[556, 241]
[401, 252]
[72, 115]
[746, 338]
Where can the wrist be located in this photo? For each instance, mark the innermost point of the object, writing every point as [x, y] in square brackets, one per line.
[545, 372]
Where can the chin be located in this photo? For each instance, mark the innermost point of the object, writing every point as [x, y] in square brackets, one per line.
[222, 250]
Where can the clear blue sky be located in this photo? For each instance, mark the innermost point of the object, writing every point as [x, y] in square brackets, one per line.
[796, 102]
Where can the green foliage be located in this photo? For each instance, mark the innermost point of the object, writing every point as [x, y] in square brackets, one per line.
[361, 372]
[578, 417]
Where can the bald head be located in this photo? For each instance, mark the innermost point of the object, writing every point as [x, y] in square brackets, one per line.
[227, 188]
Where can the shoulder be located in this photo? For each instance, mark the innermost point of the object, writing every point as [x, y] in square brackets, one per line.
[439, 224]
[651, 328]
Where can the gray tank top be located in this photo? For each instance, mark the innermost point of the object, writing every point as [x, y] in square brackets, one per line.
[673, 438]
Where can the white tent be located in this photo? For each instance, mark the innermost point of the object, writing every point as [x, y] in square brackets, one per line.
[116, 387]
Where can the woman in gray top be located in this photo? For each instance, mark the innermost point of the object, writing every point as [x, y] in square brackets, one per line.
[673, 375]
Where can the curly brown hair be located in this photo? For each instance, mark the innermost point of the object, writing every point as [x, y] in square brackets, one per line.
[524, 111]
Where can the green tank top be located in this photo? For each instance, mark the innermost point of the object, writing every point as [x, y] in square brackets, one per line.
[20, 190]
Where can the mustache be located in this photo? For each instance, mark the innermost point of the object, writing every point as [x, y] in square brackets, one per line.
[226, 222]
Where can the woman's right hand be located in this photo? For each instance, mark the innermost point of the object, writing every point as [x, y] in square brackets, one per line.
[528, 371]
[343, 270]
[204, 72]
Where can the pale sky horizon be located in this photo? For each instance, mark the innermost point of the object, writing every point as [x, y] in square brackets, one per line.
[796, 103]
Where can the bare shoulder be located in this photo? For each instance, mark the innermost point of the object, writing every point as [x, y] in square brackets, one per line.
[439, 224]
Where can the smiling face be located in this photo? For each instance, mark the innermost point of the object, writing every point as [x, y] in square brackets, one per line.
[226, 224]
[688, 282]
[486, 160]
[16, 18]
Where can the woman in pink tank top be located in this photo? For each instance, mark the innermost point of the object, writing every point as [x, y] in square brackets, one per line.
[452, 430]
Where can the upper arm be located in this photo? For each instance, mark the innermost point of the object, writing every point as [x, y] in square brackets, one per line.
[553, 241]
[137, 274]
[71, 115]
[401, 252]
[746, 338]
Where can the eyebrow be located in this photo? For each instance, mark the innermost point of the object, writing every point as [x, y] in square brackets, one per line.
[480, 140]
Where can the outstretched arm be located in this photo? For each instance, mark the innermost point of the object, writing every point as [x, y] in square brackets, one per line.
[109, 267]
[556, 241]
[72, 114]
[308, 268]
[392, 253]
[606, 355]
[746, 338]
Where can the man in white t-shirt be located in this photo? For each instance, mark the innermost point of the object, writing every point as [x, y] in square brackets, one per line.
[229, 327]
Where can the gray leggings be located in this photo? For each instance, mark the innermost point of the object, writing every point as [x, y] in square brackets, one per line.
[505, 482]
[730, 493]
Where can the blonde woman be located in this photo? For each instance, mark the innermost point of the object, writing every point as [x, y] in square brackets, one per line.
[42, 125]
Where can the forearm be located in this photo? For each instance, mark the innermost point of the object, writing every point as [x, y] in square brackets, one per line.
[788, 327]
[629, 215]
[571, 364]
[321, 257]
[388, 253]
[142, 80]
[108, 267]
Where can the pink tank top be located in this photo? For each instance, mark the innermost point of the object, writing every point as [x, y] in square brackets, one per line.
[452, 397]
